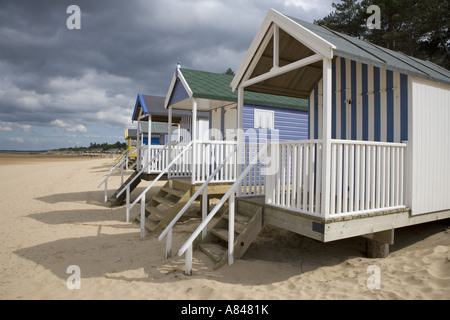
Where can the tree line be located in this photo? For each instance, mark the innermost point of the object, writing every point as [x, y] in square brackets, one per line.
[96, 147]
[419, 28]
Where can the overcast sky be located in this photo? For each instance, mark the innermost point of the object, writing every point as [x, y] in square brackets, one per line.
[62, 87]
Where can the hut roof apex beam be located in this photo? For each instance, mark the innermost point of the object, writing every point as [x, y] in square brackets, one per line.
[276, 47]
[276, 71]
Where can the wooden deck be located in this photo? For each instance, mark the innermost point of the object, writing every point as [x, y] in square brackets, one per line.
[373, 225]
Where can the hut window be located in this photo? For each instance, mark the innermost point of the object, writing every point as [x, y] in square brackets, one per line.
[264, 119]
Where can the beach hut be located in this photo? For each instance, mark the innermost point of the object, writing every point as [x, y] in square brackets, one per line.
[149, 112]
[378, 141]
[205, 164]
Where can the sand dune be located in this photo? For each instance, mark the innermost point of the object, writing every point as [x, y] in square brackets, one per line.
[53, 216]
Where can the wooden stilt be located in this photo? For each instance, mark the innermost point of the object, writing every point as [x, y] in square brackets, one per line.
[376, 249]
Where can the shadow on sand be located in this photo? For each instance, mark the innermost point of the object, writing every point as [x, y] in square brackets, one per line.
[115, 253]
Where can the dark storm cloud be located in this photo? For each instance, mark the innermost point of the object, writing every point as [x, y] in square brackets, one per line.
[92, 76]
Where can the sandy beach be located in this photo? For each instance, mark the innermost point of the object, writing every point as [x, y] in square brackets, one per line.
[53, 216]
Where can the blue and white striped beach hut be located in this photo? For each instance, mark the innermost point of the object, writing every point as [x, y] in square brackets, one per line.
[378, 131]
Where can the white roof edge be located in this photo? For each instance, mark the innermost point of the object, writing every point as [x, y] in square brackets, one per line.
[332, 46]
[320, 46]
[168, 95]
[172, 86]
[184, 82]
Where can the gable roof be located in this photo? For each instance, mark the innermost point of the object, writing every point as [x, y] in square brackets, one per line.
[299, 41]
[369, 53]
[154, 105]
[215, 86]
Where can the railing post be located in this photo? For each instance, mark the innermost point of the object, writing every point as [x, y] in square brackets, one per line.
[106, 190]
[188, 268]
[269, 176]
[194, 162]
[168, 253]
[231, 229]
[128, 203]
[326, 135]
[121, 174]
[204, 209]
[143, 216]
[194, 138]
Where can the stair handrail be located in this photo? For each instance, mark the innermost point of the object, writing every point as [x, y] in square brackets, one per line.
[126, 153]
[229, 194]
[141, 197]
[112, 170]
[156, 156]
[168, 229]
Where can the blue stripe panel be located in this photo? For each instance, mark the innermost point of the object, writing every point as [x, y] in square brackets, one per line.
[377, 106]
[292, 124]
[353, 105]
[343, 99]
[316, 112]
[365, 103]
[404, 106]
[390, 105]
[178, 93]
[333, 101]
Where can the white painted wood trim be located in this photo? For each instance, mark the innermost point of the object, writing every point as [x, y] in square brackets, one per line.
[280, 70]
[185, 84]
[169, 92]
[326, 136]
[297, 31]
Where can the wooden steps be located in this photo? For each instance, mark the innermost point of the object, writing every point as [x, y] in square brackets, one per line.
[248, 223]
[117, 201]
[165, 205]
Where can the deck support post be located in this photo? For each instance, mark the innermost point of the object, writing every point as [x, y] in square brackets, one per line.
[143, 216]
[376, 249]
[231, 229]
[326, 137]
[240, 134]
[377, 244]
[138, 142]
[149, 141]
[169, 138]
[194, 138]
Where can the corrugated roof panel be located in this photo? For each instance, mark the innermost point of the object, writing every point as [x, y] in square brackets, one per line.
[366, 52]
[215, 86]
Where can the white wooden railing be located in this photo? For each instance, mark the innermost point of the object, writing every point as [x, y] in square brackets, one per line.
[182, 166]
[227, 157]
[365, 177]
[208, 155]
[202, 159]
[141, 197]
[296, 175]
[254, 183]
[126, 188]
[156, 166]
[121, 163]
[229, 196]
